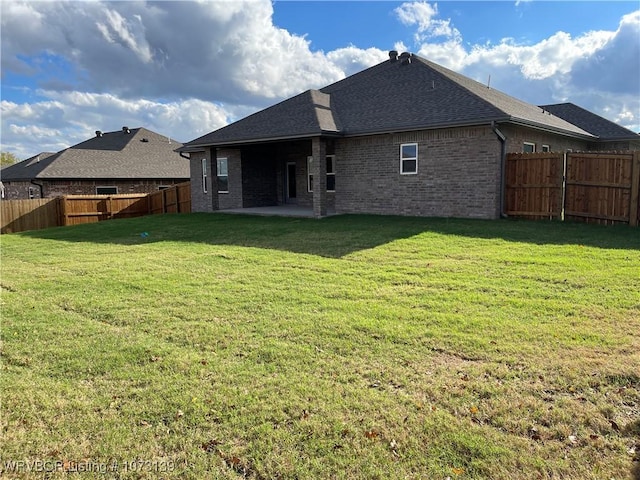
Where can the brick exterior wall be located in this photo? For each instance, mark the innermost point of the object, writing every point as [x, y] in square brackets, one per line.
[58, 188]
[200, 201]
[232, 199]
[458, 174]
[516, 136]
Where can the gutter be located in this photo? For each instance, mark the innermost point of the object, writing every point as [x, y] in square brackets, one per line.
[555, 130]
[503, 161]
[254, 141]
[40, 186]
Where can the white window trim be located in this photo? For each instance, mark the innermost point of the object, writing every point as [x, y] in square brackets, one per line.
[531, 144]
[546, 148]
[227, 175]
[106, 186]
[310, 174]
[402, 159]
[204, 175]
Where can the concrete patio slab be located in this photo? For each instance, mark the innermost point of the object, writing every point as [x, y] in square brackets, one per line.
[276, 210]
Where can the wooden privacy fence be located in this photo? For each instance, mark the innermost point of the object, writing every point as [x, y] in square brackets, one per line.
[176, 199]
[21, 215]
[36, 214]
[594, 187]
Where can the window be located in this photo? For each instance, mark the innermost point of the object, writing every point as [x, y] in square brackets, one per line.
[106, 190]
[408, 158]
[204, 175]
[223, 175]
[331, 173]
[528, 147]
[32, 192]
[546, 148]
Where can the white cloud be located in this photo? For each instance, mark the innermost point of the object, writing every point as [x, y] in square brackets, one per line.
[129, 33]
[423, 15]
[33, 131]
[72, 117]
[598, 70]
[230, 51]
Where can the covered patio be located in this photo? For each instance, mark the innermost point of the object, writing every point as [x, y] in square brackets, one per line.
[277, 211]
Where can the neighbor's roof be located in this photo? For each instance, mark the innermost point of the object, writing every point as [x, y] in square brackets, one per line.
[27, 169]
[393, 96]
[117, 155]
[595, 124]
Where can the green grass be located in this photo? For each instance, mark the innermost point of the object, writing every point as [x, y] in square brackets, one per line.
[223, 346]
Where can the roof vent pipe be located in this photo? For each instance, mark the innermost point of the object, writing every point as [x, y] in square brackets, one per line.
[98, 133]
[405, 57]
[393, 55]
[126, 130]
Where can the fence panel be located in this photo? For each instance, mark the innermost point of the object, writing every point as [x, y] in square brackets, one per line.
[35, 214]
[533, 185]
[183, 192]
[21, 215]
[77, 209]
[599, 187]
[176, 199]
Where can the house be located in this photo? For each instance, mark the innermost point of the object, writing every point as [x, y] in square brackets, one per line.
[404, 137]
[133, 160]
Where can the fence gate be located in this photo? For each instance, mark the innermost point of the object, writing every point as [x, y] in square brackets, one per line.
[533, 185]
[594, 187]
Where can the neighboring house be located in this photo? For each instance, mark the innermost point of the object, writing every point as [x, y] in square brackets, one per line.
[405, 137]
[611, 136]
[133, 160]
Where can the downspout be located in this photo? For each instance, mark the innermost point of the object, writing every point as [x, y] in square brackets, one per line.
[40, 186]
[183, 155]
[503, 160]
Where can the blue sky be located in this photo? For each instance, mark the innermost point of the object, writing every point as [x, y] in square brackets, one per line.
[370, 24]
[186, 68]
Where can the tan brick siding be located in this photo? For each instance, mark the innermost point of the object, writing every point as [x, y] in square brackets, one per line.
[458, 174]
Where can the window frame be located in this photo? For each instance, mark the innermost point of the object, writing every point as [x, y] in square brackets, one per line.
[528, 144]
[219, 175]
[331, 173]
[107, 186]
[203, 166]
[404, 159]
[545, 148]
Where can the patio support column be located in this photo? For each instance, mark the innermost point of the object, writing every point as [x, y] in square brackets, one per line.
[319, 172]
[212, 163]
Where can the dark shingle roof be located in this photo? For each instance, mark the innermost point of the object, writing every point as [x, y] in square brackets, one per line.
[595, 124]
[119, 155]
[391, 96]
[27, 169]
[309, 113]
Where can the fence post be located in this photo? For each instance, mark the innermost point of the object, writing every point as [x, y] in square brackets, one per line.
[63, 211]
[635, 187]
[59, 204]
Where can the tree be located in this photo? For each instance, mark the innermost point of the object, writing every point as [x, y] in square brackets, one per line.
[7, 158]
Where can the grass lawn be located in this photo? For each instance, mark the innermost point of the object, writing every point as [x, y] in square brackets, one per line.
[358, 347]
